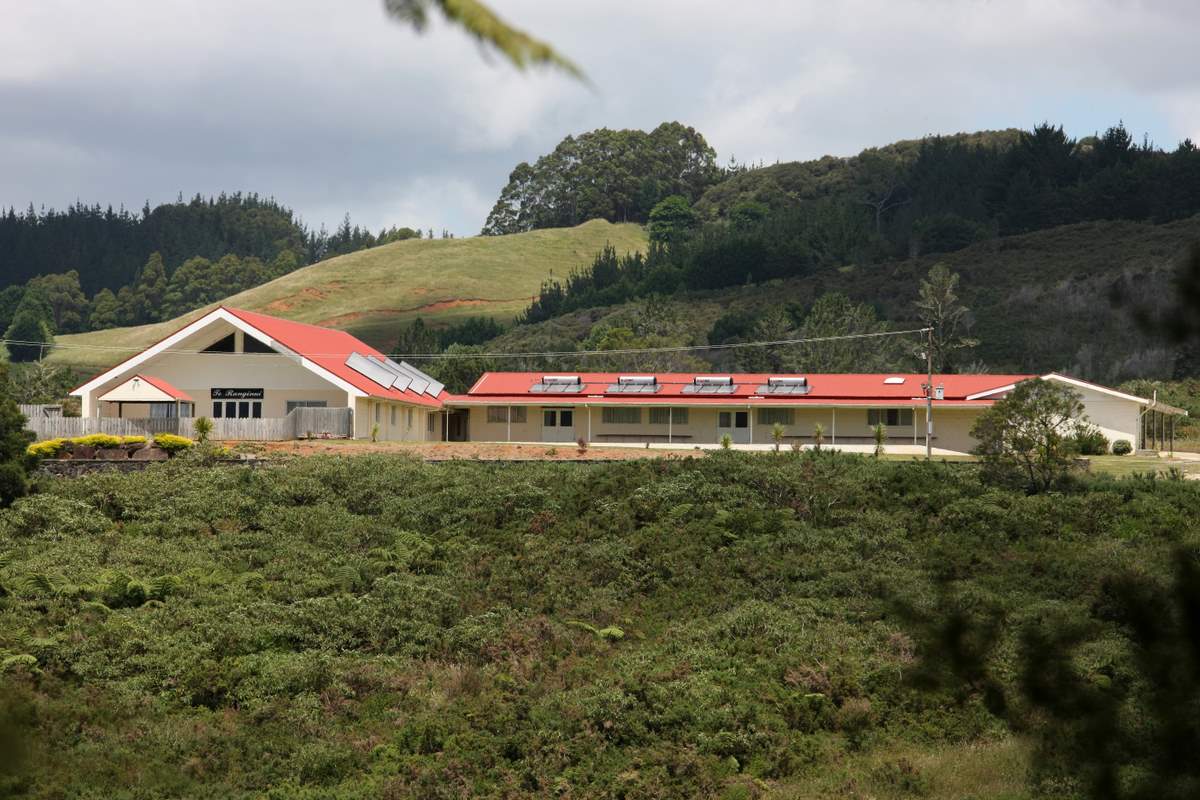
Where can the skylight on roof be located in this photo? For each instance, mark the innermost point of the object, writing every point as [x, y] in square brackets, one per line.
[895, 380]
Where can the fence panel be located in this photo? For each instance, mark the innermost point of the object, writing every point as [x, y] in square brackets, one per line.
[322, 422]
[332, 422]
[70, 427]
[33, 410]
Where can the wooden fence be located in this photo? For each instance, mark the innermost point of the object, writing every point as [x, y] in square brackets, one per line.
[335, 423]
[32, 410]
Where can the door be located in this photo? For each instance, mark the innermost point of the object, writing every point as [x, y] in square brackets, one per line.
[735, 424]
[558, 425]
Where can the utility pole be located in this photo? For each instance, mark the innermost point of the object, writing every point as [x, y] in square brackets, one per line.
[929, 395]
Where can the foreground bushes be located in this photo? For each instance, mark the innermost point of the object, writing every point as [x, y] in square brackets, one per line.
[370, 626]
[64, 448]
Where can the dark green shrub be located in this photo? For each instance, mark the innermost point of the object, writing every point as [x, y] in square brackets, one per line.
[1090, 441]
[1122, 447]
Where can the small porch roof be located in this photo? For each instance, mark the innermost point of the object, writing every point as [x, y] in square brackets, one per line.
[145, 389]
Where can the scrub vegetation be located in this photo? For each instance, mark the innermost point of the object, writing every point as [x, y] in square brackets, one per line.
[738, 626]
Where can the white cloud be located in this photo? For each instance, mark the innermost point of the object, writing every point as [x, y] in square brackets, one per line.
[331, 107]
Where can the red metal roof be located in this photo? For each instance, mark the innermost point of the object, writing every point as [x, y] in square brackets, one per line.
[329, 348]
[842, 389]
[166, 388]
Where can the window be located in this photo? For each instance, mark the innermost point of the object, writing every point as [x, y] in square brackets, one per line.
[774, 416]
[225, 345]
[393, 419]
[162, 410]
[409, 422]
[673, 416]
[231, 409]
[621, 416]
[566, 418]
[429, 422]
[497, 414]
[890, 417]
[252, 345]
[292, 405]
[377, 412]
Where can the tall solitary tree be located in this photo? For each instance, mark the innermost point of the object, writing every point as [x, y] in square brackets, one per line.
[938, 307]
[1028, 438]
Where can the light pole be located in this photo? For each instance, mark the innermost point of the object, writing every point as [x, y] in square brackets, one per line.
[929, 395]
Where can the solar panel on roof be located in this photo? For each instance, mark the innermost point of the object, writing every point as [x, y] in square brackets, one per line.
[556, 388]
[633, 388]
[709, 388]
[371, 370]
[790, 385]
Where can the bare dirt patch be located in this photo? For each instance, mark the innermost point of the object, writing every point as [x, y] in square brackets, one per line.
[309, 294]
[464, 451]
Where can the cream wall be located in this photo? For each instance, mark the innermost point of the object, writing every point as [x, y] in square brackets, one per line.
[951, 426]
[280, 377]
[1116, 418]
[393, 419]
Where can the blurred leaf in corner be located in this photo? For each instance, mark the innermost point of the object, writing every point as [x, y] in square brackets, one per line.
[1180, 321]
[481, 22]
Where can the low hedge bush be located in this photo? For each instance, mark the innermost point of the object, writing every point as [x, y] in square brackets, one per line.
[172, 443]
[1121, 447]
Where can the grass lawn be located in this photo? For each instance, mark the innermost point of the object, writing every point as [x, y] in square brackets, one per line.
[1131, 464]
[373, 292]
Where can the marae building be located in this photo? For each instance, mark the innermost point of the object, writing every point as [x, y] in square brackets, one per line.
[232, 364]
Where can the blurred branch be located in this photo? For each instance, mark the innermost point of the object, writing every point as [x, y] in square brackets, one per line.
[481, 22]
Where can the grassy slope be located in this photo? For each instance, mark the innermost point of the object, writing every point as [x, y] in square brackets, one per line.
[1040, 301]
[369, 292]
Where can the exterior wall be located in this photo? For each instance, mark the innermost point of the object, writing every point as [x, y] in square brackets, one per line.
[393, 419]
[848, 425]
[280, 377]
[1116, 418]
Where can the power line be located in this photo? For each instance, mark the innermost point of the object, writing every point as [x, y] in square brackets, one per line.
[541, 354]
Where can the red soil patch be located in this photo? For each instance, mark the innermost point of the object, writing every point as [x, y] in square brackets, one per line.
[306, 295]
[467, 451]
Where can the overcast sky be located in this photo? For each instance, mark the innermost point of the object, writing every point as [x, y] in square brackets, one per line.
[330, 107]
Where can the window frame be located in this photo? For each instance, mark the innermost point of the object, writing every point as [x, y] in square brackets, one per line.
[610, 415]
[774, 416]
[676, 416]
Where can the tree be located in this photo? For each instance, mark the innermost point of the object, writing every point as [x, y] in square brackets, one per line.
[13, 441]
[834, 315]
[879, 434]
[105, 311]
[38, 382]
[881, 178]
[149, 295]
[604, 174]
[1028, 437]
[672, 219]
[938, 307]
[65, 299]
[28, 336]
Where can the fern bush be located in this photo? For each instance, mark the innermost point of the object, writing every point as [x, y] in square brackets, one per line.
[172, 443]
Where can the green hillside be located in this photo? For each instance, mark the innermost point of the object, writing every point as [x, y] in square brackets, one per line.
[1058, 299]
[371, 292]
